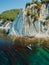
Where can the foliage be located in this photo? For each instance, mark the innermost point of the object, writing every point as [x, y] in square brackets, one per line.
[44, 1]
[47, 18]
[28, 4]
[33, 1]
[38, 4]
[9, 14]
[36, 16]
[28, 12]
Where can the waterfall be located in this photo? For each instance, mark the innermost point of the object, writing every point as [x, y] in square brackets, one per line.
[22, 26]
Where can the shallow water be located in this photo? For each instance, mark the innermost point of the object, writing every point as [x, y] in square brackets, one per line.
[11, 56]
[17, 55]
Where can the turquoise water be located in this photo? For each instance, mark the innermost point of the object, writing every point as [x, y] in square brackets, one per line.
[18, 55]
[23, 56]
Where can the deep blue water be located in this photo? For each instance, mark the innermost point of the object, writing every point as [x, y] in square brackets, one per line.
[17, 55]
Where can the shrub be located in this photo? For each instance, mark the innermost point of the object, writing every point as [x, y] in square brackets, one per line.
[28, 4]
[28, 12]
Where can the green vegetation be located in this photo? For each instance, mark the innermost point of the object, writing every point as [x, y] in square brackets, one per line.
[9, 14]
[40, 0]
[38, 4]
[28, 4]
[28, 12]
[47, 18]
[45, 1]
[35, 1]
[36, 16]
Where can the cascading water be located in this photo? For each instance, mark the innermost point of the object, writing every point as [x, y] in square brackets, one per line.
[22, 27]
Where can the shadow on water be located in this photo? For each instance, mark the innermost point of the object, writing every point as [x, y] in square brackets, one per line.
[13, 54]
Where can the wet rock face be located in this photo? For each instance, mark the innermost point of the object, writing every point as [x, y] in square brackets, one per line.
[47, 8]
[26, 25]
[43, 11]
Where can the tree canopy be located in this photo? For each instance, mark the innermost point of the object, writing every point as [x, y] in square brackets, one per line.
[9, 14]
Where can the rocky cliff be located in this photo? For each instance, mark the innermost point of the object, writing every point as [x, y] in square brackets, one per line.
[32, 21]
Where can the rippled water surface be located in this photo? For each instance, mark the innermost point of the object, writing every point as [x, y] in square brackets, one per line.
[17, 55]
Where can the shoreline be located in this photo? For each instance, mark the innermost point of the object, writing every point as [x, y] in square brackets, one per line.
[25, 41]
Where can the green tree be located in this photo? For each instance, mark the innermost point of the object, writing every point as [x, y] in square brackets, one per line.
[47, 18]
[36, 16]
[35, 0]
[28, 4]
[44, 1]
[10, 14]
[28, 12]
